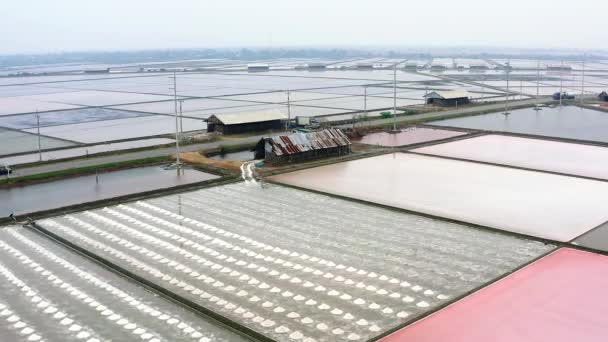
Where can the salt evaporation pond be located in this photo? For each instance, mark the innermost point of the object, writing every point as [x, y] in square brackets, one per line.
[409, 136]
[558, 298]
[25, 104]
[568, 122]
[527, 202]
[119, 129]
[332, 270]
[56, 194]
[14, 141]
[83, 151]
[96, 98]
[48, 293]
[63, 117]
[546, 155]
[596, 238]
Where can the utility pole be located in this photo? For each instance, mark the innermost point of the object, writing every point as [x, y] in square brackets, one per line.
[365, 102]
[181, 119]
[174, 90]
[395, 99]
[561, 83]
[521, 87]
[583, 81]
[177, 120]
[181, 123]
[537, 106]
[288, 109]
[39, 144]
[181, 115]
[508, 66]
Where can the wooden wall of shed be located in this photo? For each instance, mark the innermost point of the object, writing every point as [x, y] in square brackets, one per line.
[273, 159]
[245, 127]
[449, 102]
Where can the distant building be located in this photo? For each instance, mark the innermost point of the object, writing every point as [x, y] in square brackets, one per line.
[411, 66]
[563, 95]
[96, 70]
[317, 66]
[438, 67]
[365, 66]
[234, 123]
[603, 96]
[448, 98]
[302, 146]
[303, 121]
[258, 67]
[559, 67]
[478, 66]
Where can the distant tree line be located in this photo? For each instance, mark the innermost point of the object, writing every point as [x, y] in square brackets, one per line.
[250, 54]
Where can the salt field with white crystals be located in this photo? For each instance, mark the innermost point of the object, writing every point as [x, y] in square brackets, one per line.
[348, 249]
[295, 265]
[48, 293]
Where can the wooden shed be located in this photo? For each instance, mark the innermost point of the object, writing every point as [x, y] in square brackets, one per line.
[448, 98]
[302, 146]
[235, 123]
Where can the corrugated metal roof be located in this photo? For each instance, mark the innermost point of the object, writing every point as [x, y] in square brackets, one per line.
[247, 117]
[450, 94]
[302, 142]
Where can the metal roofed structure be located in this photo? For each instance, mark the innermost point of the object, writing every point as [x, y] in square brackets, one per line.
[317, 66]
[302, 146]
[231, 123]
[258, 67]
[448, 98]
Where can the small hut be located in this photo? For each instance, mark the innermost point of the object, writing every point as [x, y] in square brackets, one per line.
[235, 123]
[448, 98]
[302, 146]
[258, 67]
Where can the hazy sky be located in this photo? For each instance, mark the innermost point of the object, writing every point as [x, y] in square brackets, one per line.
[67, 25]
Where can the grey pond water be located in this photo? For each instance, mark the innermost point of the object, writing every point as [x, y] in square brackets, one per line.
[64, 117]
[61, 193]
[562, 122]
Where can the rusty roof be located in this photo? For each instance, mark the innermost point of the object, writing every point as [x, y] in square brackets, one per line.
[301, 142]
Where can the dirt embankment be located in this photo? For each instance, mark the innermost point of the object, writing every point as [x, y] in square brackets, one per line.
[195, 158]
